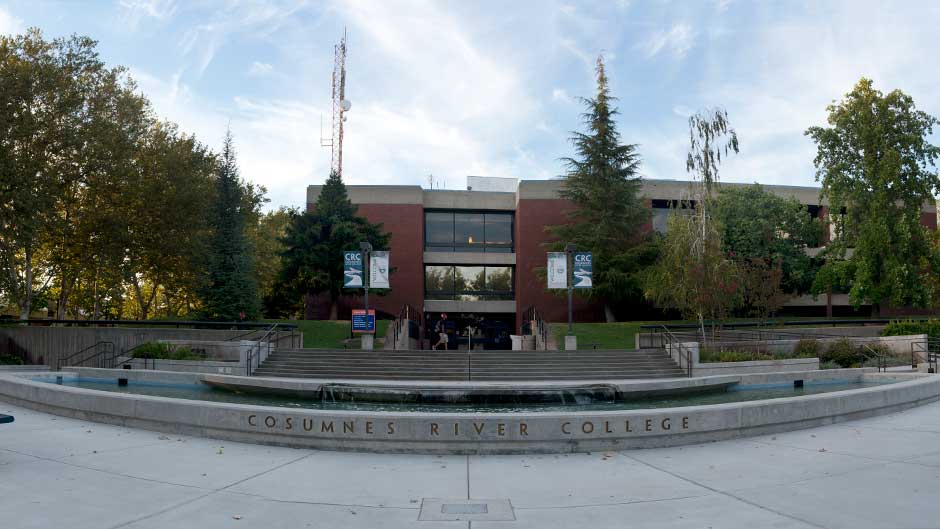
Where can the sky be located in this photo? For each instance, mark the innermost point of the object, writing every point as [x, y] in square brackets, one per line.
[445, 89]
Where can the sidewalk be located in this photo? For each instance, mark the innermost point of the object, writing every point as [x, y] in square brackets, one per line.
[58, 472]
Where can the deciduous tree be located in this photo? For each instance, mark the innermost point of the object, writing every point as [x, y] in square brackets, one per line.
[875, 162]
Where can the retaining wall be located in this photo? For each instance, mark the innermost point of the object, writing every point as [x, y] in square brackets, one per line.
[476, 433]
[49, 345]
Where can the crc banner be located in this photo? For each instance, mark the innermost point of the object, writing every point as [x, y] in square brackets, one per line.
[352, 269]
[583, 271]
[557, 270]
[378, 270]
[362, 322]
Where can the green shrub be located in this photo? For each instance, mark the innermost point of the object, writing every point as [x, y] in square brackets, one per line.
[165, 351]
[806, 349]
[829, 365]
[10, 360]
[843, 352]
[906, 327]
[733, 355]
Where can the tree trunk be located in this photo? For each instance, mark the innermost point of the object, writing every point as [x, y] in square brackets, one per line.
[609, 314]
[829, 304]
[334, 309]
[62, 302]
[876, 310]
[26, 301]
[141, 304]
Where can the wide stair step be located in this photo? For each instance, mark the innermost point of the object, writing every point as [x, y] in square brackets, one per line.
[477, 365]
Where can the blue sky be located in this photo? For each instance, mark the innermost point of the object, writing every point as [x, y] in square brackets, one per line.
[452, 88]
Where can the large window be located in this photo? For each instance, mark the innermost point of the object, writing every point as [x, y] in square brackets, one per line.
[466, 231]
[468, 283]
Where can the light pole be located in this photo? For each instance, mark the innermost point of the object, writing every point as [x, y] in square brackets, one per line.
[366, 251]
[569, 262]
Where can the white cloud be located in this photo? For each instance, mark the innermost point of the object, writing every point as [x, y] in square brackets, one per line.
[9, 24]
[133, 11]
[560, 94]
[260, 69]
[678, 40]
[682, 111]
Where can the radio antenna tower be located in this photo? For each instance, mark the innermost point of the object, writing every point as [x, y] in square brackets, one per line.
[340, 106]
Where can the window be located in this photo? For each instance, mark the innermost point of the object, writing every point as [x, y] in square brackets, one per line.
[439, 229]
[468, 283]
[468, 231]
[498, 227]
[438, 279]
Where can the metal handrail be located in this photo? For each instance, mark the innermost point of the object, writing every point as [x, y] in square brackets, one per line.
[407, 313]
[537, 325]
[250, 357]
[65, 361]
[152, 323]
[674, 342]
[882, 361]
[930, 347]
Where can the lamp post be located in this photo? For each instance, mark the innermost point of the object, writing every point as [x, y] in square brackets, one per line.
[366, 250]
[569, 251]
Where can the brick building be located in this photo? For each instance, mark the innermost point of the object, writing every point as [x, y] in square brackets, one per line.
[474, 254]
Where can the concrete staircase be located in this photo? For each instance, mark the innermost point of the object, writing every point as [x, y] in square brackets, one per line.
[475, 366]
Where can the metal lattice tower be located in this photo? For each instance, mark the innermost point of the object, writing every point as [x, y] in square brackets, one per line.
[340, 107]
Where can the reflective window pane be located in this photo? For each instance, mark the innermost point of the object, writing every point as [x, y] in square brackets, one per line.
[439, 279]
[469, 279]
[468, 232]
[498, 229]
[499, 278]
[439, 228]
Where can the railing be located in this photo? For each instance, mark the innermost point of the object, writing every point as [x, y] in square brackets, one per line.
[650, 333]
[534, 325]
[871, 353]
[264, 340]
[413, 317]
[929, 349]
[246, 325]
[670, 343]
[100, 349]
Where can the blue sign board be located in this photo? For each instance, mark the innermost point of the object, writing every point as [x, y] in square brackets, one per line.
[362, 322]
[583, 271]
[352, 269]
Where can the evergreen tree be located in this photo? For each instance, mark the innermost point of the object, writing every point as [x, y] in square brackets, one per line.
[231, 291]
[314, 243]
[603, 183]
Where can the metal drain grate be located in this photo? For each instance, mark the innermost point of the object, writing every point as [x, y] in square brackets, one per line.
[437, 509]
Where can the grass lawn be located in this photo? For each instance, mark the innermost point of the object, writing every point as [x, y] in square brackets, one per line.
[605, 335]
[329, 334]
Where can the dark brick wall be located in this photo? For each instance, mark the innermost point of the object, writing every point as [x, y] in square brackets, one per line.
[532, 216]
[405, 222]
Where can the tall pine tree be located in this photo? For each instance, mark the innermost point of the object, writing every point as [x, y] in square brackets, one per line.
[314, 245]
[602, 181]
[231, 290]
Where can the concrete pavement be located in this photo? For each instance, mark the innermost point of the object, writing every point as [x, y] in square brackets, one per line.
[874, 473]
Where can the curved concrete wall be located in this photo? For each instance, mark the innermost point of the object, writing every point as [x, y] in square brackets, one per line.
[478, 433]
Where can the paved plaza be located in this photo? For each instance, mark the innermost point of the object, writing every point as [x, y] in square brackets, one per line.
[881, 472]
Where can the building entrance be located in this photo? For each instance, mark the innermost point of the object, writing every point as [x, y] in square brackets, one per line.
[467, 329]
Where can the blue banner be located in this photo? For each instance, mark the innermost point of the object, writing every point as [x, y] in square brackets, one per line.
[362, 322]
[352, 269]
[583, 270]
